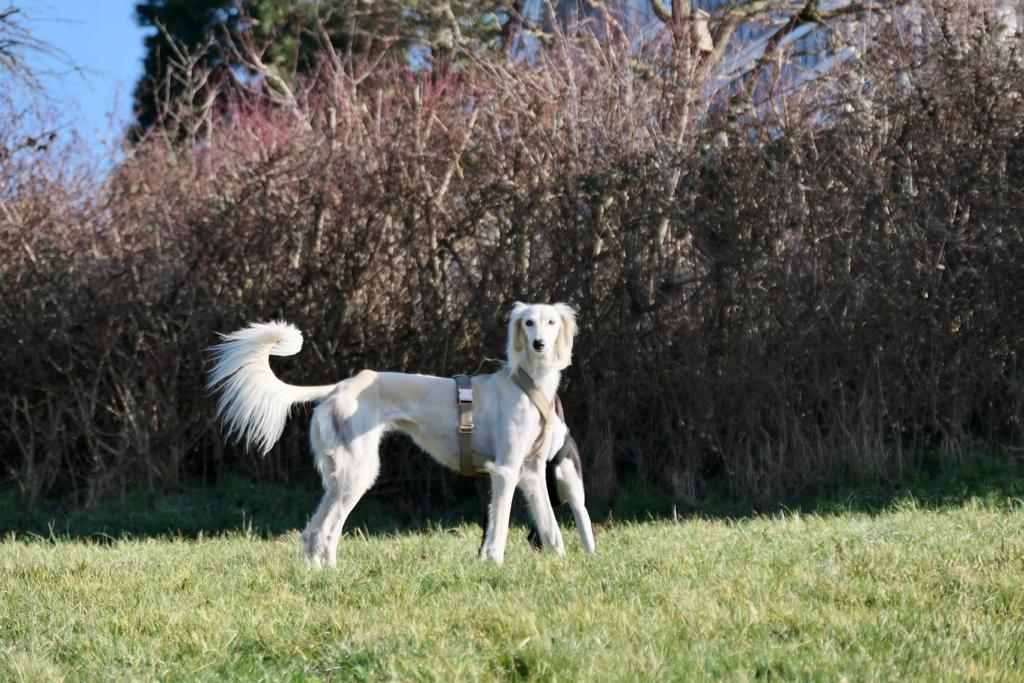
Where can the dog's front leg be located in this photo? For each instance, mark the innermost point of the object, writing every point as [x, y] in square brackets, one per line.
[534, 487]
[503, 486]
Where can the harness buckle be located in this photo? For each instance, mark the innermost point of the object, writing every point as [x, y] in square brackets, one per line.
[466, 429]
[465, 395]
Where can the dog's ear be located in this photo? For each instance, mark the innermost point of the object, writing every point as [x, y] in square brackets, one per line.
[516, 336]
[566, 334]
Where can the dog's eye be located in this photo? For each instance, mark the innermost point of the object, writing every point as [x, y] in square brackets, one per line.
[529, 323]
[551, 322]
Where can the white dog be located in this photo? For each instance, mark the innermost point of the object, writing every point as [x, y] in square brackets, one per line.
[353, 415]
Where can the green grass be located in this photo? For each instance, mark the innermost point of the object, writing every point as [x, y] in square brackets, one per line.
[908, 591]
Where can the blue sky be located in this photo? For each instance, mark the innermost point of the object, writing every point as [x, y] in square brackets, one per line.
[102, 39]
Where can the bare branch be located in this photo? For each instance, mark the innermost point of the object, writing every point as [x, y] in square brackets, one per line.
[808, 14]
[615, 28]
[680, 11]
[16, 40]
[660, 11]
[512, 26]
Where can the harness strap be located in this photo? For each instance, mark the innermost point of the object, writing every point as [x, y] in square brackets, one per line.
[464, 388]
[464, 395]
[525, 382]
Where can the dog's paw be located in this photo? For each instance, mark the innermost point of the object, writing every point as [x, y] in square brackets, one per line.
[315, 547]
[557, 544]
[491, 554]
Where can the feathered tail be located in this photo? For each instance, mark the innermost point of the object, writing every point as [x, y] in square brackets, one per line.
[254, 404]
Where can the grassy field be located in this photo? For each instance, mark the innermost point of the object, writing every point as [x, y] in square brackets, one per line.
[911, 590]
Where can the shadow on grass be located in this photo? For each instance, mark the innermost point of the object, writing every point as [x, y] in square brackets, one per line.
[937, 483]
[233, 505]
[237, 505]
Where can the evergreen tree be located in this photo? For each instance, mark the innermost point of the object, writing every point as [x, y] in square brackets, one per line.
[292, 31]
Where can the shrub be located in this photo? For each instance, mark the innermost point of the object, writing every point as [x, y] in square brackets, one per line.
[777, 291]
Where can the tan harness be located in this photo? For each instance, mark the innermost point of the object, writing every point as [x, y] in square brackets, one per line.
[471, 463]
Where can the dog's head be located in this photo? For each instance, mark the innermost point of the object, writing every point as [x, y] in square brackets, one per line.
[541, 335]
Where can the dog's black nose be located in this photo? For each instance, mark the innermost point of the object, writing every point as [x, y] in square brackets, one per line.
[538, 345]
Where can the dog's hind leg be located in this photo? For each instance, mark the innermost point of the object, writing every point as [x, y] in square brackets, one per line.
[322, 541]
[356, 480]
[312, 535]
[349, 466]
[325, 445]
